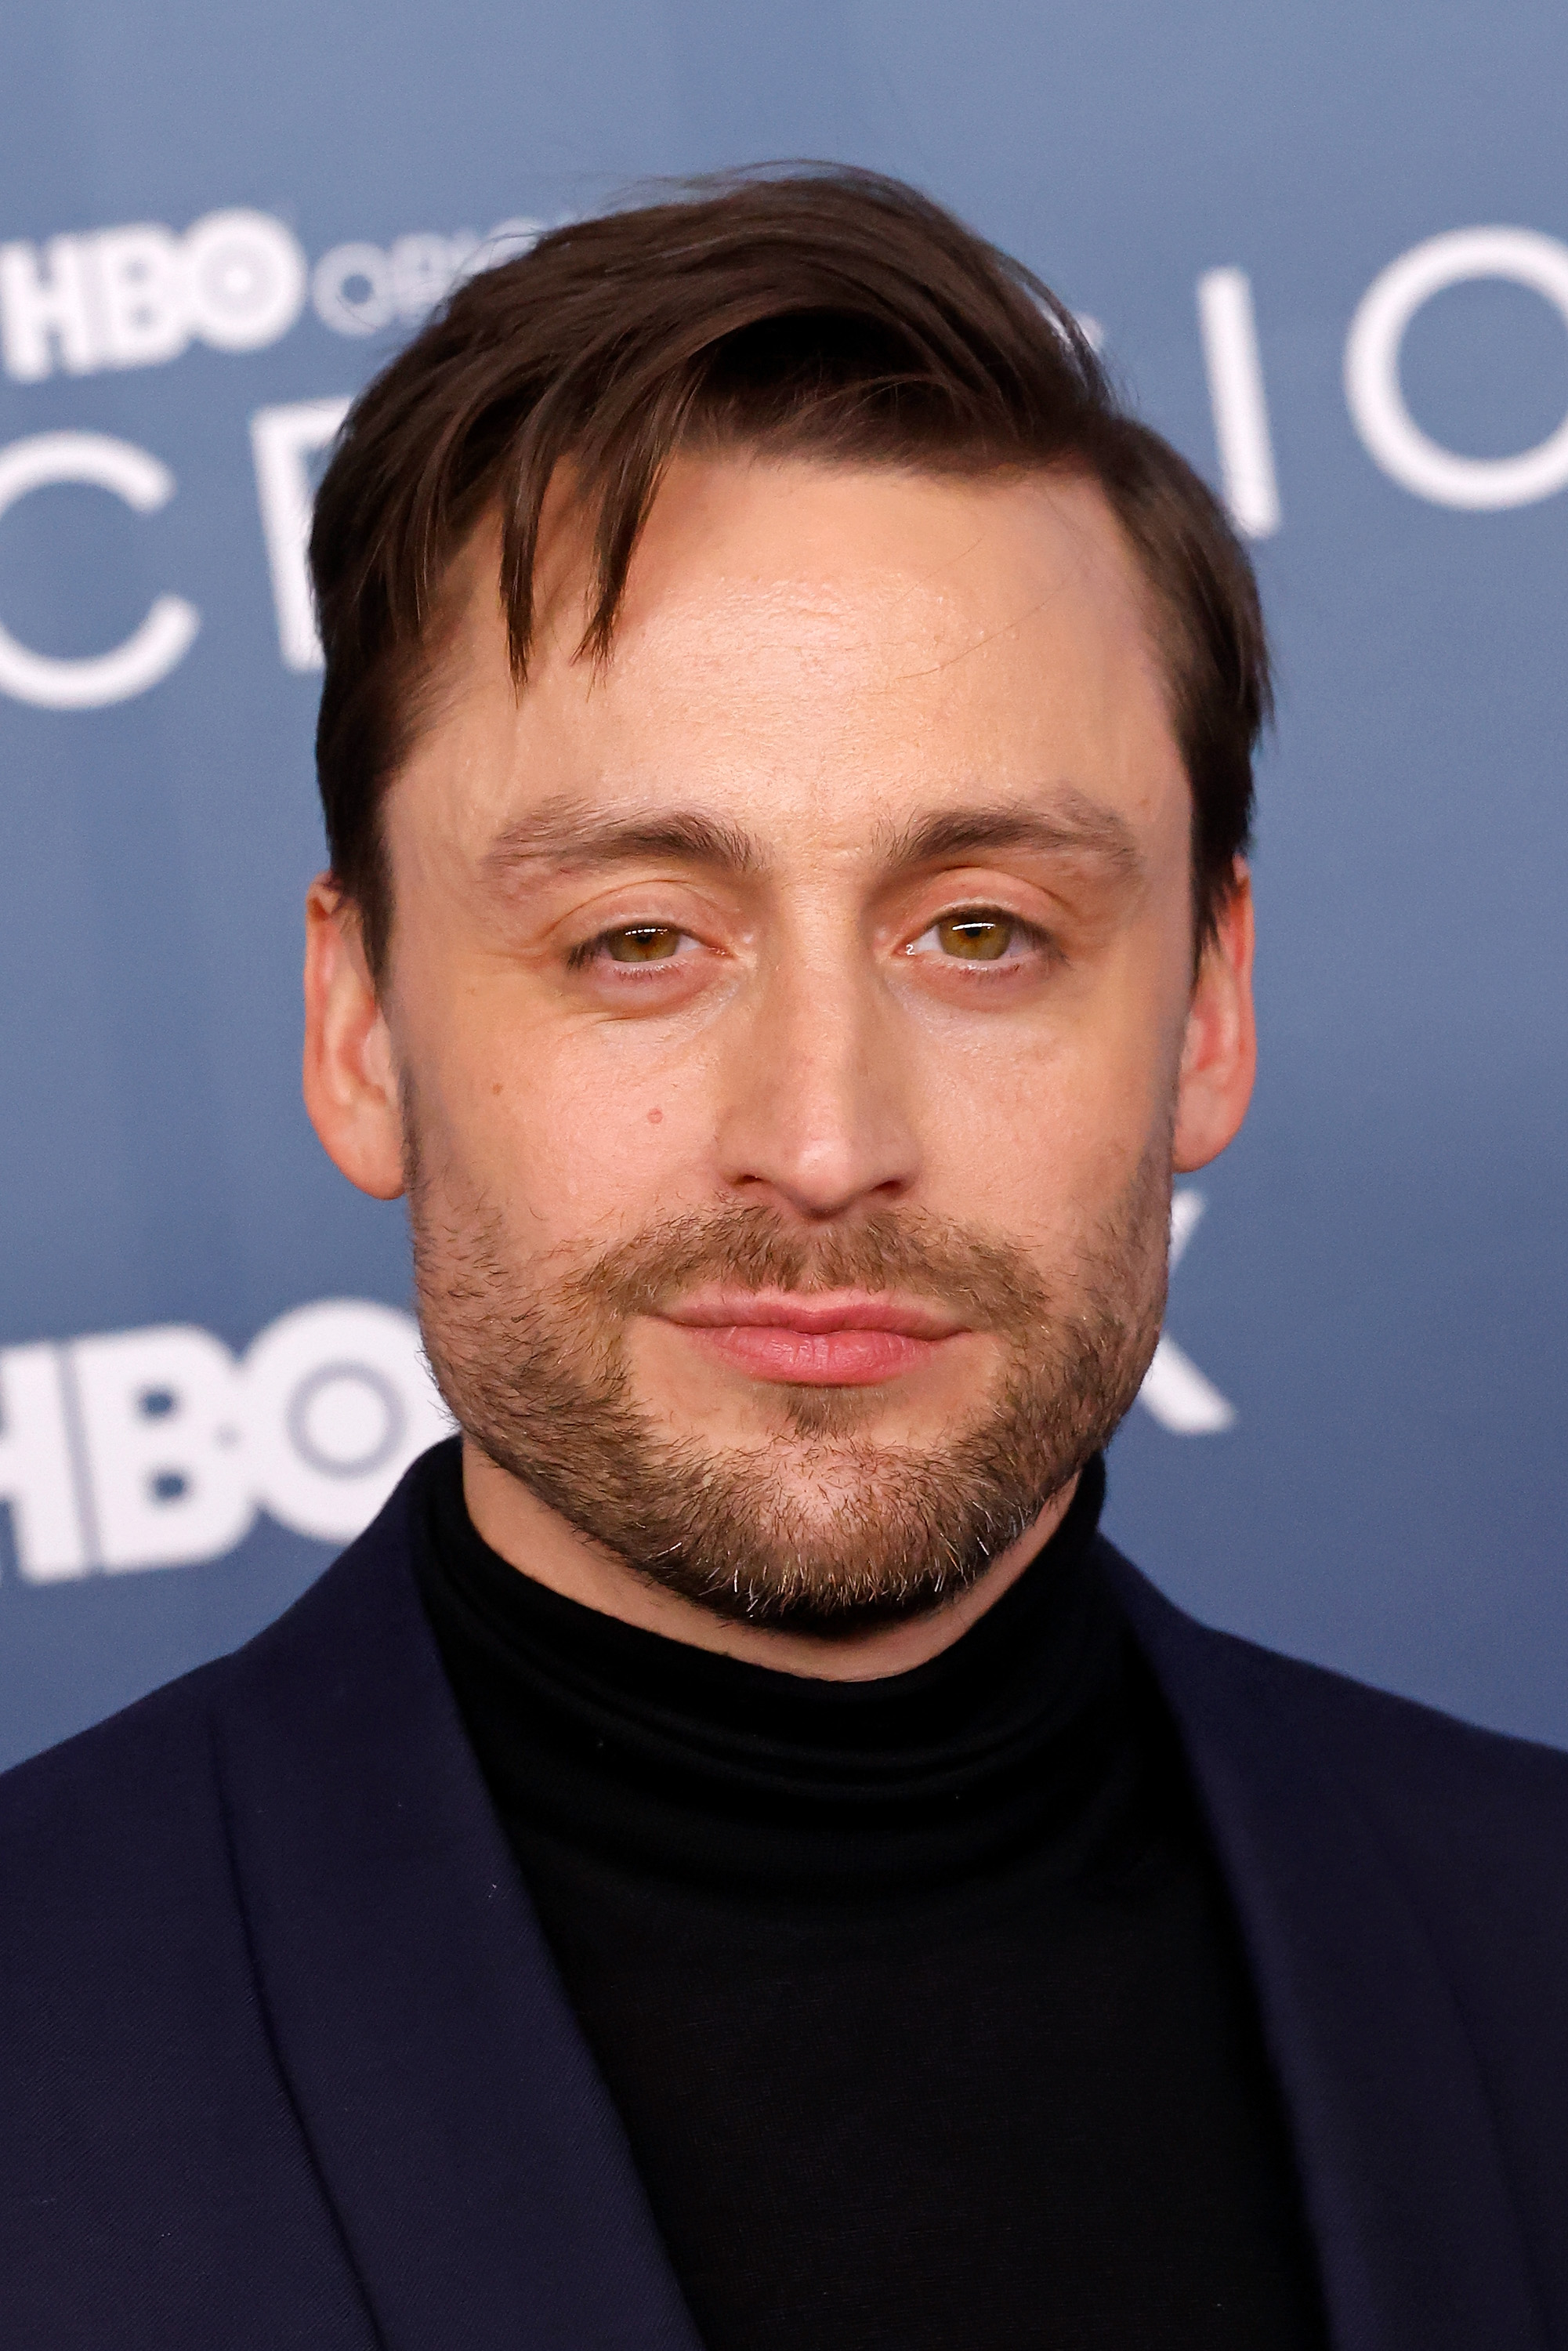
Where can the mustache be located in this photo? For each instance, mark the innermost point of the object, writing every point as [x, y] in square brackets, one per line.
[988, 1282]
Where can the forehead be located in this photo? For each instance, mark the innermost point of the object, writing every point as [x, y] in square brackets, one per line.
[815, 650]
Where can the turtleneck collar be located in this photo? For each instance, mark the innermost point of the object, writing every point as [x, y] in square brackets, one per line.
[671, 1759]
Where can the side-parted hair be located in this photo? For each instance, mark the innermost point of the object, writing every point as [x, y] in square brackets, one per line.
[821, 312]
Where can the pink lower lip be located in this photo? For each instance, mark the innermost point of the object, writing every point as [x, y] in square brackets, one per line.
[841, 1359]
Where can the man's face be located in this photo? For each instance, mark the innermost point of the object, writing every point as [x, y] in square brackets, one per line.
[789, 1025]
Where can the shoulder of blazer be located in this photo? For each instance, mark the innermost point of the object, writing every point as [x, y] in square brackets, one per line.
[1470, 1811]
[139, 1791]
[155, 2185]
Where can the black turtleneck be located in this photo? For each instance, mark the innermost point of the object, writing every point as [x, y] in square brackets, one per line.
[919, 1998]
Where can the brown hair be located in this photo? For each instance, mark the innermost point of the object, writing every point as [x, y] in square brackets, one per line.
[822, 311]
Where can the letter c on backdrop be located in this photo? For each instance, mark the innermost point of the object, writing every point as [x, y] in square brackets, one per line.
[1371, 387]
[163, 637]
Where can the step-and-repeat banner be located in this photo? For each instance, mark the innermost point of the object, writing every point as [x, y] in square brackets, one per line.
[1327, 252]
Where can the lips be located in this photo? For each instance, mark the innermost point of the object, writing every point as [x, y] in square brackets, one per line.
[845, 1339]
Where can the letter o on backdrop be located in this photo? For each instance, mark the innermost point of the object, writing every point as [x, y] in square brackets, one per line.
[245, 279]
[336, 289]
[1372, 386]
[164, 636]
[339, 1401]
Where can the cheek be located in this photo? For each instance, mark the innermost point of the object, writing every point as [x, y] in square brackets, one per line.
[1037, 1131]
[578, 1148]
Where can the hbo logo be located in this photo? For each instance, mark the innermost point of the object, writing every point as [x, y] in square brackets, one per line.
[156, 1449]
[125, 298]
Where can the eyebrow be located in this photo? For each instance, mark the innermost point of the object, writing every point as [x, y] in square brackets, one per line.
[572, 836]
[569, 835]
[1073, 826]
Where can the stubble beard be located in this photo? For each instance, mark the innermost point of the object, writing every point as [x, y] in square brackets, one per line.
[819, 1527]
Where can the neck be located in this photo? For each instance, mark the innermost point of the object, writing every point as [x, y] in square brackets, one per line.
[537, 1540]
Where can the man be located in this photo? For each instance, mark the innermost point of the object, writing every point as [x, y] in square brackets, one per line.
[731, 1856]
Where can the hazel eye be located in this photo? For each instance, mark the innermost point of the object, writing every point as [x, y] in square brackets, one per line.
[977, 936]
[642, 943]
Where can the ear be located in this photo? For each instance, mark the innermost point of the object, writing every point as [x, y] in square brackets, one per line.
[1220, 1049]
[351, 1072]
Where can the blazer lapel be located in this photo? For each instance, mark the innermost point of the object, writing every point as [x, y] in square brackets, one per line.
[479, 2170]
[1420, 2245]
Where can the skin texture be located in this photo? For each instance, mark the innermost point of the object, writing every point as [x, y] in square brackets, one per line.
[855, 724]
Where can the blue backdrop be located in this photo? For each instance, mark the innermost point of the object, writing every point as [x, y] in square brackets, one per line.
[1327, 249]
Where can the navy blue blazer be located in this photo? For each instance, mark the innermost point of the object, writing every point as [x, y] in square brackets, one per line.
[285, 2064]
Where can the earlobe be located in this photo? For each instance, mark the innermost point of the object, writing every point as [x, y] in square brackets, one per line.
[1219, 1049]
[350, 1073]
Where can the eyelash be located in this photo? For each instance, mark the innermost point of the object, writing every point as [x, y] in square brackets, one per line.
[1026, 934]
[582, 955]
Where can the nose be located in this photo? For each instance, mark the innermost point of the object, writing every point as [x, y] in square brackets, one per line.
[816, 1117]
